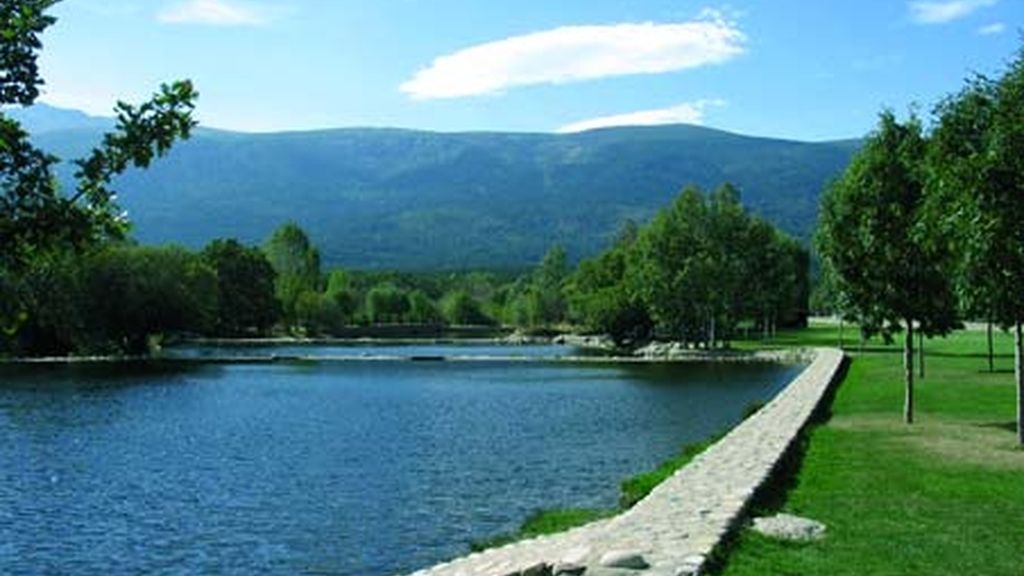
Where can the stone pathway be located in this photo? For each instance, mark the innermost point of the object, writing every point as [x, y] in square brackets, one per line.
[675, 528]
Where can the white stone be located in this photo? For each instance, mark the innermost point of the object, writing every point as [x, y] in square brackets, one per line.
[624, 559]
[789, 527]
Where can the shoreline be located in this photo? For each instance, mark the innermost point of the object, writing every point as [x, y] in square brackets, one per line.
[594, 349]
[790, 356]
[681, 524]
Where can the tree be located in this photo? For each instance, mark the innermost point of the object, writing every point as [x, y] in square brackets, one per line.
[978, 175]
[52, 289]
[728, 227]
[600, 298]
[136, 293]
[548, 282]
[870, 232]
[297, 264]
[461, 309]
[773, 284]
[340, 292]
[245, 281]
[386, 303]
[37, 221]
[422, 310]
[673, 273]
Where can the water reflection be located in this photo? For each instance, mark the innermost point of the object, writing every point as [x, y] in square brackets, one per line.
[344, 468]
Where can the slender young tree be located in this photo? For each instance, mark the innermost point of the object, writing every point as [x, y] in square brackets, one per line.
[977, 175]
[870, 233]
[296, 261]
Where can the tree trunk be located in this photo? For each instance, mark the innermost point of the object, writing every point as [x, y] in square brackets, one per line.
[908, 374]
[764, 327]
[1018, 348]
[711, 333]
[840, 332]
[920, 354]
[991, 363]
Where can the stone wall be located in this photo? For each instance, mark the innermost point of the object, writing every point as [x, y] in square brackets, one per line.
[673, 530]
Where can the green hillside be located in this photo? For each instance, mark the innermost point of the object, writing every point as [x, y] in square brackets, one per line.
[386, 198]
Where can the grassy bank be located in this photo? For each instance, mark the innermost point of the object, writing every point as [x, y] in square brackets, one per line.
[943, 496]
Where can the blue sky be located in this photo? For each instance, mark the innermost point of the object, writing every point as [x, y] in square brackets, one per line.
[801, 69]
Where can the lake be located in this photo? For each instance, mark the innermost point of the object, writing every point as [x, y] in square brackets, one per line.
[345, 468]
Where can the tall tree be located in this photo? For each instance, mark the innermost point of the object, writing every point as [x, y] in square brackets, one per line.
[461, 309]
[774, 280]
[887, 267]
[387, 303]
[245, 282]
[340, 291]
[728, 227]
[422, 310]
[978, 171]
[297, 264]
[673, 274]
[37, 219]
[600, 298]
[549, 282]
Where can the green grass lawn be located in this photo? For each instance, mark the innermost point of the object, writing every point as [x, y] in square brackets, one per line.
[942, 496]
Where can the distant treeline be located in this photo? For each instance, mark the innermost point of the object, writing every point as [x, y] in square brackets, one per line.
[700, 271]
[71, 281]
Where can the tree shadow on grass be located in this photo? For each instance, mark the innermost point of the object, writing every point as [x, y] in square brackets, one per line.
[876, 349]
[978, 355]
[1007, 426]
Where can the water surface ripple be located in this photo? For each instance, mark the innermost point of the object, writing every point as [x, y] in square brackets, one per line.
[327, 468]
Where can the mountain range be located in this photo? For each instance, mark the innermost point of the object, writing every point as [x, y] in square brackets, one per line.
[415, 200]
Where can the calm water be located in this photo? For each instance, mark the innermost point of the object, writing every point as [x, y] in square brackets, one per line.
[327, 468]
[375, 349]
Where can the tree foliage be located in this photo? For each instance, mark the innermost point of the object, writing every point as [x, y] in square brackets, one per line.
[873, 233]
[135, 293]
[245, 288]
[701, 267]
[296, 261]
[387, 304]
[601, 300]
[39, 224]
[461, 309]
[976, 181]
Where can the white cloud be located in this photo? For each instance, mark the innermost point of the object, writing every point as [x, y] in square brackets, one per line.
[577, 53]
[213, 13]
[686, 113]
[935, 12]
[991, 29]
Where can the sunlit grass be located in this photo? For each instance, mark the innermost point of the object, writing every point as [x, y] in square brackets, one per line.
[942, 496]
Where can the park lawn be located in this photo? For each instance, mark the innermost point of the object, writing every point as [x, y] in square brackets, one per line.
[943, 496]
